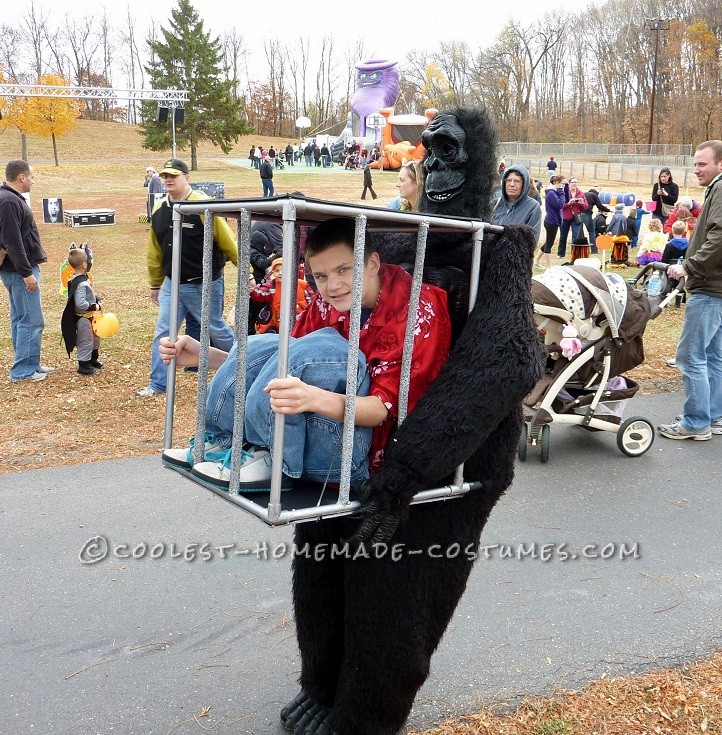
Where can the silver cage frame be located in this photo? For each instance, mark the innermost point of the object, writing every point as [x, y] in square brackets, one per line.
[279, 507]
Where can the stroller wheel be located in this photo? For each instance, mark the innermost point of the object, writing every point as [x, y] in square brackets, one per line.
[635, 436]
[544, 442]
[522, 442]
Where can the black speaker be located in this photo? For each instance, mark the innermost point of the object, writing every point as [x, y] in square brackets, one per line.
[161, 114]
[180, 115]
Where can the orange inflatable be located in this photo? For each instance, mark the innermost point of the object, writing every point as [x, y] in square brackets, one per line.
[401, 138]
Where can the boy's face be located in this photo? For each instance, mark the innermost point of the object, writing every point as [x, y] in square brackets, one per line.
[333, 272]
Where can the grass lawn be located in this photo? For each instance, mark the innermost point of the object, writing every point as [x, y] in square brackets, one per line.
[69, 419]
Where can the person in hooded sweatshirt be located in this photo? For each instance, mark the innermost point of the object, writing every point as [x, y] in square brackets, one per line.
[515, 204]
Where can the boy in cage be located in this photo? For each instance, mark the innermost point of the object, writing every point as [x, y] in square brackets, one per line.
[312, 397]
[76, 322]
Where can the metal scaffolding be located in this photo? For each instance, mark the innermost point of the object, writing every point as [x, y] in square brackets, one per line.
[93, 93]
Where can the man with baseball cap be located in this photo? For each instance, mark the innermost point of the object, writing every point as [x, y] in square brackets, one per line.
[160, 245]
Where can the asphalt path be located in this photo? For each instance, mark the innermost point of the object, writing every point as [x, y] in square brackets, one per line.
[179, 645]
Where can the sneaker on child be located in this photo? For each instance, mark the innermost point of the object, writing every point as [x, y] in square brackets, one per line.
[212, 450]
[255, 470]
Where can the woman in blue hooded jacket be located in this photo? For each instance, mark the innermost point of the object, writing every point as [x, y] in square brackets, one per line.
[515, 204]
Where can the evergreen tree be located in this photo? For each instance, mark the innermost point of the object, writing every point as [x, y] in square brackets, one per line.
[188, 58]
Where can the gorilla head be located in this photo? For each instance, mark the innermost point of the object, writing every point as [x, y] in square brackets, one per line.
[459, 165]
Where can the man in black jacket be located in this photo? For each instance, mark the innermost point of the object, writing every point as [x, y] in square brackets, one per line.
[267, 176]
[593, 201]
[20, 254]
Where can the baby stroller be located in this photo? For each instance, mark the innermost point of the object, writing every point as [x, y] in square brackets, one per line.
[588, 389]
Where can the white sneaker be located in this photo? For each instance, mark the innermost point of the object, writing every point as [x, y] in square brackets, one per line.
[46, 369]
[147, 392]
[184, 457]
[671, 362]
[35, 377]
[716, 426]
[255, 470]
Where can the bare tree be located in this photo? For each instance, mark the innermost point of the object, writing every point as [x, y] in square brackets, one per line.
[235, 53]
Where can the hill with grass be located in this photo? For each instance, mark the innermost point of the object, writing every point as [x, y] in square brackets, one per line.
[111, 142]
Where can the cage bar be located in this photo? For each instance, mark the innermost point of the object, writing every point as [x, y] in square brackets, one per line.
[305, 501]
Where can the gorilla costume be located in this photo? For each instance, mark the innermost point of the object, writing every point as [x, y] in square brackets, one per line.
[367, 626]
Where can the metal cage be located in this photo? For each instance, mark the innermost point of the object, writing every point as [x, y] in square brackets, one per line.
[304, 501]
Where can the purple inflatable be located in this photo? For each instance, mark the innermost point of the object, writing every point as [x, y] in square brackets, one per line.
[377, 85]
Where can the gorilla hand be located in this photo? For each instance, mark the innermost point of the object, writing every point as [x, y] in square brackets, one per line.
[384, 502]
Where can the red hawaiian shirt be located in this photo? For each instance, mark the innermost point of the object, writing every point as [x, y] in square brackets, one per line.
[382, 342]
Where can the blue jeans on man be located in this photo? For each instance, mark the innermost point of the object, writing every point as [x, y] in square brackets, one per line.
[26, 324]
[268, 190]
[312, 443]
[189, 302]
[699, 359]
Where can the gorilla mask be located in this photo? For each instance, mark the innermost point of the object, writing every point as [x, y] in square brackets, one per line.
[446, 161]
[452, 186]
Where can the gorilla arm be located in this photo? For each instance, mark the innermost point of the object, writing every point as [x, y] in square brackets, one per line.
[496, 361]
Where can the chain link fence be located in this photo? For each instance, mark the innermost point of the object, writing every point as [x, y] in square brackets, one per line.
[588, 172]
[658, 151]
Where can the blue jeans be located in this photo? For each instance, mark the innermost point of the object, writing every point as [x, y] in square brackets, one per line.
[189, 303]
[267, 186]
[699, 359]
[564, 233]
[312, 443]
[26, 324]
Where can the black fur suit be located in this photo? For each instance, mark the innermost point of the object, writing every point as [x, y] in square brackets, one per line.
[367, 627]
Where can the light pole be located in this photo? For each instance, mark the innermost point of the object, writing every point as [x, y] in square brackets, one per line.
[657, 25]
[173, 106]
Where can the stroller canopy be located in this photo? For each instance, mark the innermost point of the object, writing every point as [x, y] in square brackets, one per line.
[593, 297]
[585, 291]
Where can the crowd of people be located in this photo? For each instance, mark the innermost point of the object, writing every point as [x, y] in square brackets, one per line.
[673, 235]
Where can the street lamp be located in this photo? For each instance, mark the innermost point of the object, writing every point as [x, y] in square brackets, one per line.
[302, 123]
[657, 25]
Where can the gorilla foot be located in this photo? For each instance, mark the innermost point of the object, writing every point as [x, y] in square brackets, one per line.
[305, 716]
[316, 722]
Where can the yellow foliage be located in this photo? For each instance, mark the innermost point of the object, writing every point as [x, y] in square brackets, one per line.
[704, 41]
[435, 89]
[47, 116]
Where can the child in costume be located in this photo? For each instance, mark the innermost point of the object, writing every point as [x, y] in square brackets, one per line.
[76, 322]
[268, 292]
[653, 244]
[317, 370]
[639, 212]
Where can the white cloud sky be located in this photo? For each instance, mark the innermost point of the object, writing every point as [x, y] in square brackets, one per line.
[389, 29]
